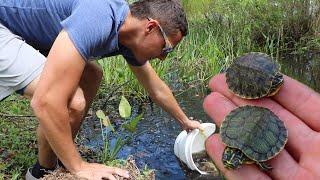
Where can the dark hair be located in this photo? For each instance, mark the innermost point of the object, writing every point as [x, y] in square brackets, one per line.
[169, 13]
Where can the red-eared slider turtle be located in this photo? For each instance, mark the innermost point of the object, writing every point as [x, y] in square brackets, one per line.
[252, 135]
[254, 75]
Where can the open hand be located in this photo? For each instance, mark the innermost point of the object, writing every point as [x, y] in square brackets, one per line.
[95, 171]
[296, 105]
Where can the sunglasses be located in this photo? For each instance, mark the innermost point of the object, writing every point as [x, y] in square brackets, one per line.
[168, 46]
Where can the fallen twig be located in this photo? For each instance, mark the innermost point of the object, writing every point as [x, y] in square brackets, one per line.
[16, 116]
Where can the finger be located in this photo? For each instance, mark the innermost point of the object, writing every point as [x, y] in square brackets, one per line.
[201, 128]
[299, 132]
[194, 125]
[108, 176]
[219, 82]
[191, 125]
[215, 148]
[293, 96]
[217, 107]
[197, 125]
[119, 172]
[301, 101]
[282, 164]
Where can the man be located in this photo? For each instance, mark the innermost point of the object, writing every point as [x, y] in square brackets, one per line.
[72, 33]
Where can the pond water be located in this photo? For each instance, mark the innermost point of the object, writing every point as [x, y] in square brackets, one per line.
[153, 146]
[304, 68]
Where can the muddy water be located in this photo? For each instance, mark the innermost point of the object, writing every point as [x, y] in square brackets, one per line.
[204, 163]
[153, 145]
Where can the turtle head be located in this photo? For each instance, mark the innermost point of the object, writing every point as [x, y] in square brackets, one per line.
[232, 158]
[277, 82]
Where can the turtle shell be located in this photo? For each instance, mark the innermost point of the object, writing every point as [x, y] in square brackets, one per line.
[256, 131]
[254, 75]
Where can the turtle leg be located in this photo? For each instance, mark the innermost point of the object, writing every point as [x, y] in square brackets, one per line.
[264, 166]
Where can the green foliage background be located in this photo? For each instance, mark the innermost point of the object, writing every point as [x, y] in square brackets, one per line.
[219, 30]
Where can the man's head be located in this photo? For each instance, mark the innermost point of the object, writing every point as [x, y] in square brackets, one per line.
[169, 14]
[165, 26]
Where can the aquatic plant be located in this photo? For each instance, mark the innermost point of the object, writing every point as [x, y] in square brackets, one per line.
[110, 151]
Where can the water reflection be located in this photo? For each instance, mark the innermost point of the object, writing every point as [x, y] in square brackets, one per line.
[303, 67]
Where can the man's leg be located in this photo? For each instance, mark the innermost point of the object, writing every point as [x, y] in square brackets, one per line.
[78, 107]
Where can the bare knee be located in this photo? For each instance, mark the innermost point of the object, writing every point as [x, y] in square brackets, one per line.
[94, 68]
[93, 73]
[29, 90]
[77, 106]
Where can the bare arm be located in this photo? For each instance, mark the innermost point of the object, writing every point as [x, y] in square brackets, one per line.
[162, 94]
[57, 84]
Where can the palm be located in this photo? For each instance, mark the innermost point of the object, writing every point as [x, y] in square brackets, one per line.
[309, 160]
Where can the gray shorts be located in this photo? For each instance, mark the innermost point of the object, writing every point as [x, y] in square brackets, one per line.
[19, 63]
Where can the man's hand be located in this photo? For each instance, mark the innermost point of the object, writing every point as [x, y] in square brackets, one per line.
[189, 125]
[296, 105]
[95, 171]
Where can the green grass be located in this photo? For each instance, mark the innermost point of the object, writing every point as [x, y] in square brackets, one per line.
[18, 148]
[219, 31]
[18, 138]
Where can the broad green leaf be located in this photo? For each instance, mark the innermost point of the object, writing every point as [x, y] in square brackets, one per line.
[104, 119]
[100, 114]
[124, 108]
[132, 125]
[106, 122]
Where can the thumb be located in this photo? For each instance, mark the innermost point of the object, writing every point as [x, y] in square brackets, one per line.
[215, 148]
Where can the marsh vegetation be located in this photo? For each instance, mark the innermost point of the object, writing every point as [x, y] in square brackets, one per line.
[219, 31]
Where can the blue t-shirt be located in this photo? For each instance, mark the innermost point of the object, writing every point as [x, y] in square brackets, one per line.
[92, 25]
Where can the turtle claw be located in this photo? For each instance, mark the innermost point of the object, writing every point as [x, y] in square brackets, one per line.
[264, 166]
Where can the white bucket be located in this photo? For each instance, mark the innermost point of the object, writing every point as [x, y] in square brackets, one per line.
[193, 142]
